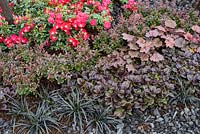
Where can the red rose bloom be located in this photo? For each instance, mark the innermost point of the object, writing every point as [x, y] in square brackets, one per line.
[106, 25]
[73, 41]
[93, 22]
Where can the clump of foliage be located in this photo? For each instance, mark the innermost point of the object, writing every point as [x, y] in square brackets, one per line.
[149, 30]
[41, 121]
[74, 107]
[84, 112]
[185, 94]
[101, 122]
[147, 48]
[64, 108]
[141, 84]
[17, 107]
[25, 67]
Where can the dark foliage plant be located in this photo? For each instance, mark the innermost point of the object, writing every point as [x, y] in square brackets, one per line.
[102, 122]
[185, 93]
[84, 113]
[4, 91]
[17, 107]
[143, 85]
[40, 121]
[34, 118]
[74, 107]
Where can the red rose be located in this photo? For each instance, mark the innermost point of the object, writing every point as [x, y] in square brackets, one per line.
[106, 25]
[93, 22]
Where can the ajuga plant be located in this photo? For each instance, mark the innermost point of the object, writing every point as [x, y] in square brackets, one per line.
[185, 93]
[102, 122]
[39, 121]
[125, 82]
[74, 107]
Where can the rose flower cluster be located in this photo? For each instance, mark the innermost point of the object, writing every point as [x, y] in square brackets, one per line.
[73, 18]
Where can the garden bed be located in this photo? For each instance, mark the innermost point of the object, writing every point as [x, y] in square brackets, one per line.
[104, 67]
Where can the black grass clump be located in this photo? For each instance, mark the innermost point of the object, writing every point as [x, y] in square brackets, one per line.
[84, 114]
[185, 94]
[74, 107]
[32, 120]
[42, 121]
[102, 122]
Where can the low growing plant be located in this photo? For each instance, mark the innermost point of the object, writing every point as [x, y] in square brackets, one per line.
[74, 107]
[25, 67]
[102, 122]
[185, 94]
[41, 121]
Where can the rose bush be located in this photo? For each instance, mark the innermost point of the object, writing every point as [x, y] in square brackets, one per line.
[58, 23]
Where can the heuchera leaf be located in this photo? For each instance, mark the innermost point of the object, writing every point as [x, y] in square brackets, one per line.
[145, 46]
[198, 50]
[130, 68]
[133, 54]
[144, 57]
[170, 42]
[180, 31]
[127, 37]
[196, 28]
[118, 62]
[170, 23]
[133, 46]
[161, 28]
[180, 42]
[188, 36]
[141, 42]
[153, 33]
[156, 57]
[157, 42]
